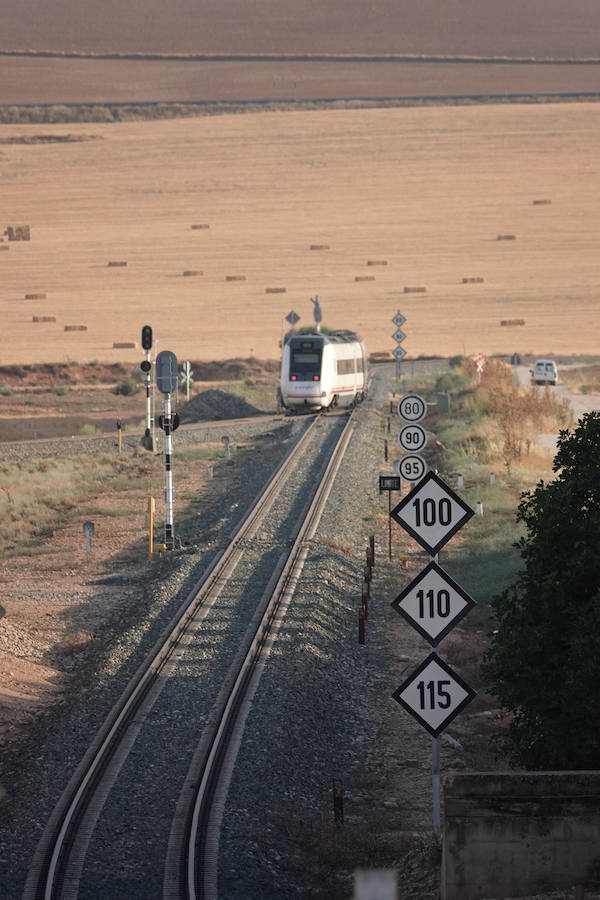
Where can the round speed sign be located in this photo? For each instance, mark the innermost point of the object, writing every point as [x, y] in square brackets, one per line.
[412, 438]
[411, 467]
[412, 408]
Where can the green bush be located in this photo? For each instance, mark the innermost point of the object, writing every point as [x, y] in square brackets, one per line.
[137, 375]
[60, 390]
[544, 660]
[127, 388]
[455, 362]
[451, 383]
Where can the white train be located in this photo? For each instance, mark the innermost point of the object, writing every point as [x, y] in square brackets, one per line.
[319, 371]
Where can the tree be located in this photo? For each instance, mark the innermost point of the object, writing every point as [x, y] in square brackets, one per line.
[544, 660]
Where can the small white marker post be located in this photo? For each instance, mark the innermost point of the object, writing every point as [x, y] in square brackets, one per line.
[88, 530]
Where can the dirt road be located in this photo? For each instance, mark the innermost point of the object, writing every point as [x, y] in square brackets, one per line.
[579, 403]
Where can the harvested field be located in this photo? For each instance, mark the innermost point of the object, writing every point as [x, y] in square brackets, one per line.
[428, 190]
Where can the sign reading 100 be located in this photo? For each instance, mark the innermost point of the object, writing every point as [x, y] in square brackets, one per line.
[432, 512]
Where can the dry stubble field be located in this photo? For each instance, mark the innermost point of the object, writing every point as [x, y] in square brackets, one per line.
[426, 190]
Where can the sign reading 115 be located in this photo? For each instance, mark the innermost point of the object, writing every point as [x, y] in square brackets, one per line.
[435, 694]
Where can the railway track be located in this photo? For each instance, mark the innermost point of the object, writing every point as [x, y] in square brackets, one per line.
[141, 815]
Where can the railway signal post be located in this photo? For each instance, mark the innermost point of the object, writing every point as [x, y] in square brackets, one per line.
[166, 381]
[146, 367]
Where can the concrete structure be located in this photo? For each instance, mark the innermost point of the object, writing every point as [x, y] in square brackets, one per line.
[513, 834]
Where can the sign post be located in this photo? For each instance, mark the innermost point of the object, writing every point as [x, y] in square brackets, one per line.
[389, 483]
[398, 352]
[412, 437]
[433, 603]
[166, 381]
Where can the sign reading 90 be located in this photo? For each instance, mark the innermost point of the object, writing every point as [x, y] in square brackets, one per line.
[412, 438]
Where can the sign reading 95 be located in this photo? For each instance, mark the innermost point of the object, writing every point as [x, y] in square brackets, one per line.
[412, 438]
[411, 467]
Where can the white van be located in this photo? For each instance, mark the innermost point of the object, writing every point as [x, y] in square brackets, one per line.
[544, 371]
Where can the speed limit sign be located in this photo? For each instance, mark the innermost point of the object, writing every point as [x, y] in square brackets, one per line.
[412, 438]
[411, 467]
[412, 408]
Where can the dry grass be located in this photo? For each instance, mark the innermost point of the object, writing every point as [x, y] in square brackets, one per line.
[268, 183]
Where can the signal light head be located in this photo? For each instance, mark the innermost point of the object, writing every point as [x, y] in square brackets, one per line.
[146, 337]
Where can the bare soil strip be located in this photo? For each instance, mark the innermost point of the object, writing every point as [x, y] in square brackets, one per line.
[45, 78]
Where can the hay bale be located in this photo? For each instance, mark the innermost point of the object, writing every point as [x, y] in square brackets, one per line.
[189, 273]
[43, 319]
[542, 202]
[35, 296]
[113, 264]
[235, 278]
[512, 322]
[75, 328]
[476, 280]
[377, 262]
[364, 278]
[319, 247]
[506, 237]
[415, 290]
[199, 227]
[18, 233]
[275, 290]
[124, 345]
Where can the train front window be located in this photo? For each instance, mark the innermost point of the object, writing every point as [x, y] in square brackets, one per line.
[305, 363]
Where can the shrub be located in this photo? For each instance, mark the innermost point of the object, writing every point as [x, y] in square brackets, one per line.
[456, 362]
[127, 388]
[451, 383]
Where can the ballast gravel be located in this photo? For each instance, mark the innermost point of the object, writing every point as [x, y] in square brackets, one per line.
[322, 712]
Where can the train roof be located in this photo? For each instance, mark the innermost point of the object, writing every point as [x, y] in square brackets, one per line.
[334, 337]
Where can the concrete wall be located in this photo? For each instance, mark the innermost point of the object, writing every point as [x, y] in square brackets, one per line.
[509, 834]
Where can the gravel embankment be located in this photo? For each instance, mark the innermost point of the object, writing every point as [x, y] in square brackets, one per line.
[323, 710]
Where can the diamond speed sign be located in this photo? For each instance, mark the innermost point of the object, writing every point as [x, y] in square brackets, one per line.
[412, 408]
[412, 438]
[431, 513]
[411, 467]
[434, 694]
[433, 603]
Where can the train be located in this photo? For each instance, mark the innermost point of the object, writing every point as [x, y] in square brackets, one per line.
[322, 371]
